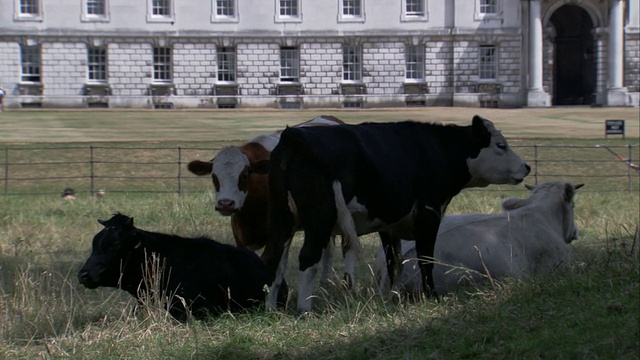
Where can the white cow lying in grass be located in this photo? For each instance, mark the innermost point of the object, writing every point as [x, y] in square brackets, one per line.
[531, 237]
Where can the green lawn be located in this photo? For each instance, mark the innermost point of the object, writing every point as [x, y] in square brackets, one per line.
[238, 125]
[591, 311]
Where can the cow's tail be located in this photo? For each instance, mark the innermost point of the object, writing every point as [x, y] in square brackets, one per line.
[351, 246]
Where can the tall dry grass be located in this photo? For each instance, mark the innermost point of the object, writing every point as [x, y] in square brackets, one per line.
[46, 314]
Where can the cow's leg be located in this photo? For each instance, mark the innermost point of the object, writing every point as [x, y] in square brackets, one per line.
[318, 219]
[310, 255]
[274, 289]
[350, 241]
[350, 254]
[327, 257]
[392, 249]
[280, 228]
[426, 232]
[276, 252]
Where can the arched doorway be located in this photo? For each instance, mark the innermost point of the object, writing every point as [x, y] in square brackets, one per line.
[574, 69]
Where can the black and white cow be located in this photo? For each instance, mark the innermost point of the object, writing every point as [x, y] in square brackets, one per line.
[206, 276]
[392, 178]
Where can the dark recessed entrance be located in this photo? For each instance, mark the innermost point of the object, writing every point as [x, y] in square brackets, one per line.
[574, 70]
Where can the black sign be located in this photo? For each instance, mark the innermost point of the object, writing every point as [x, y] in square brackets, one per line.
[614, 127]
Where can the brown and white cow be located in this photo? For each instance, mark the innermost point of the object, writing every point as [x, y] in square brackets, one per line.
[241, 182]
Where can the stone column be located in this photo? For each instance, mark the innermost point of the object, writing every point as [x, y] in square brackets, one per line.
[616, 93]
[536, 96]
[600, 38]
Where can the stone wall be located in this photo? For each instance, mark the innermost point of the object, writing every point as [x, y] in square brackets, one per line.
[632, 62]
[194, 68]
[63, 71]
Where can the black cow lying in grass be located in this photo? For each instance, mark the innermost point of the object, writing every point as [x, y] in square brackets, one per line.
[199, 274]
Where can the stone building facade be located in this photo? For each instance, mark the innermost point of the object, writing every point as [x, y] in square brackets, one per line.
[329, 53]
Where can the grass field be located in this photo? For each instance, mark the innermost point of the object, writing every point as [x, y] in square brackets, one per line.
[591, 311]
[238, 125]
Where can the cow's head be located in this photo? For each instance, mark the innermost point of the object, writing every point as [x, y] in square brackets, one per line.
[557, 195]
[230, 171]
[112, 248]
[496, 162]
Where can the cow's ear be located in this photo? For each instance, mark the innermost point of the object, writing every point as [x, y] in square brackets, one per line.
[102, 222]
[260, 167]
[529, 187]
[200, 167]
[569, 192]
[481, 134]
[513, 203]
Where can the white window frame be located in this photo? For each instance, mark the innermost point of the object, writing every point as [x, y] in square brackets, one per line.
[487, 64]
[352, 64]
[289, 64]
[97, 64]
[162, 65]
[226, 65]
[480, 14]
[297, 17]
[407, 16]
[414, 63]
[86, 17]
[33, 63]
[344, 5]
[37, 15]
[170, 17]
[231, 17]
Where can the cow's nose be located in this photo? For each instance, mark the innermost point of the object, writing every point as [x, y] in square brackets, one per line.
[526, 166]
[225, 204]
[83, 277]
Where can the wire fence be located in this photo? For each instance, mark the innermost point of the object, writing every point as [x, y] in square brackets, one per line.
[123, 169]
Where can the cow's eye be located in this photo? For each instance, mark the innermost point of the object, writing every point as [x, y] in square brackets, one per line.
[216, 182]
[243, 181]
[502, 146]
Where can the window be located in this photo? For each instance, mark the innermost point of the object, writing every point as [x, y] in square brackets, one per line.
[30, 63]
[226, 64]
[351, 10]
[414, 62]
[160, 8]
[289, 64]
[29, 7]
[288, 10]
[415, 7]
[160, 11]
[414, 10]
[351, 63]
[96, 7]
[162, 64]
[224, 10]
[28, 10]
[488, 65]
[97, 64]
[488, 7]
[94, 10]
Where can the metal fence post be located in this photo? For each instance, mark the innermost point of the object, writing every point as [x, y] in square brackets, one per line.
[535, 163]
[629, 168]
[6, 171]
[179, 170]
[91, 175]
